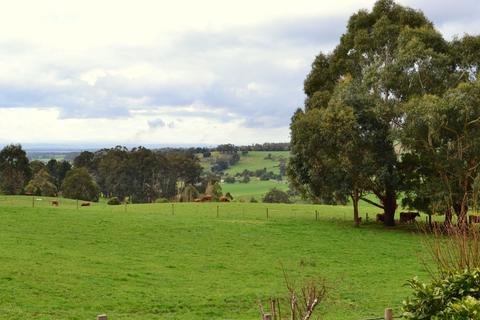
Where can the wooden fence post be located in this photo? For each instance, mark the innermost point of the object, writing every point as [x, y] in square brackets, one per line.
[388, 314]
[173, 209]
[102, 317]
[218, 212]
[267, 316]
[267, 213]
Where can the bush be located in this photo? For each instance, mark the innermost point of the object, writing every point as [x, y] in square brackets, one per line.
[229, 180]
[253, 200]
[455, 296]
[276, 196]
[162, 200]
[114, 201]
[246, 179]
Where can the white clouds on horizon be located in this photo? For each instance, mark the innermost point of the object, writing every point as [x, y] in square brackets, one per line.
[116, 71]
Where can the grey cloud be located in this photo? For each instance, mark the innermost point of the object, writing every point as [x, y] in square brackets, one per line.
[157, 123]
[252, 73]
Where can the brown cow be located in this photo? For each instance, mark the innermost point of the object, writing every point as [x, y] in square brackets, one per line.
[473, 219]
[224, 199]
[85, 204]
[206, 198]
[197, 200]
[380, 217]
[55, 203]
[408, 217]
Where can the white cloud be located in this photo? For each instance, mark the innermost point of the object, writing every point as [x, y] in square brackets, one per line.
[163, 72]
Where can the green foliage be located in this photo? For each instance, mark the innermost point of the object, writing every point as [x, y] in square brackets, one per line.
[452, 297]
[42, 184]
[161, 200]
[15, 171]
[114, 201]
[253, 200]
[441, 136]
[36, 166]
[276, 196]
[140, 173]
[78, 184]
[245, 179]
[229, 179]
[214, 189]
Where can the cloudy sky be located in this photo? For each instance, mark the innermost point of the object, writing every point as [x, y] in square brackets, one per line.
[170, 72]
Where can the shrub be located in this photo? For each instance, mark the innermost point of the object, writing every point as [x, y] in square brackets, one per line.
[253, 200]
[161, 200]
[455, 296]
[229, 180]
[246, 179]
[276, 196]
[114, 201]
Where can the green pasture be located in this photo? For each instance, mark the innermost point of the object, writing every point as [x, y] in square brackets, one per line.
[255, 188]
[194, 260]
[255, 160]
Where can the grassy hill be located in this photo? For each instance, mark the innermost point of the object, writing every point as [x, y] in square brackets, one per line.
[147, 262]
[254, 160]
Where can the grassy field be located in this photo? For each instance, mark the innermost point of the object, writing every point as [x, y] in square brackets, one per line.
[255, 160]
[255, 188]
[149, 262]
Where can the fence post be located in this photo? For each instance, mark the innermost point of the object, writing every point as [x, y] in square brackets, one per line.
[173, 209]
[388, 314]
[77, 204]
[102, 317]
[267, 213]
[316, 215]
[218, 213]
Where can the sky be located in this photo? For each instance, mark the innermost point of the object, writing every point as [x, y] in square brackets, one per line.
[182, 72]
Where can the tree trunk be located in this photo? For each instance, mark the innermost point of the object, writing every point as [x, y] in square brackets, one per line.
[355, 199]
[390, 206]
[461, 210]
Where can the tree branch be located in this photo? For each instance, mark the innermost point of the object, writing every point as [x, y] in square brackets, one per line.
[372, 203]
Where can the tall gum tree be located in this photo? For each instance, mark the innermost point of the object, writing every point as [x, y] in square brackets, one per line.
[392, 53]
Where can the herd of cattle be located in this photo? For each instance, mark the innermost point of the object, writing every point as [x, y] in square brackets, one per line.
[405, 217]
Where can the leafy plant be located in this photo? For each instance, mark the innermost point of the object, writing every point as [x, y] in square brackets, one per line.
[456, 296]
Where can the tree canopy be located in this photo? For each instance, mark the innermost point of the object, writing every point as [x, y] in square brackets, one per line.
[345, 141]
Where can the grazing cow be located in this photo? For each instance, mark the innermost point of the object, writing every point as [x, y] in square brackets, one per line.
[224, 199]
[197, 200]
[473, 219]
[206, 198]
[380, 217]
[408, 217]
[85, 204]
[54, 203]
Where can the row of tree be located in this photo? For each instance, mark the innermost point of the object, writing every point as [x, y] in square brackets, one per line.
[140, 174]
[394, 109]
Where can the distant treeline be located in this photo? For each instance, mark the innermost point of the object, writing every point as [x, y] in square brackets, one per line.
[139, 174]
[229, 148]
